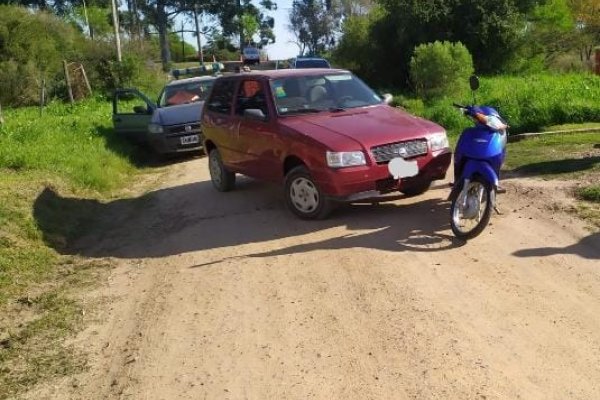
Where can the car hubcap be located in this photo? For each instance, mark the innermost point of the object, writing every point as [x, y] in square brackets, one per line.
[470, 206]
[304, 195]
[215, 169]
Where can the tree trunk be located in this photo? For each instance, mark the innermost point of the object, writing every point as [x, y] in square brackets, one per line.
[163, 32]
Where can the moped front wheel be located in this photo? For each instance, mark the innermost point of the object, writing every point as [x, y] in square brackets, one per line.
[471, 210]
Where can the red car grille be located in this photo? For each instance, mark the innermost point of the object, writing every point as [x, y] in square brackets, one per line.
[408, 149]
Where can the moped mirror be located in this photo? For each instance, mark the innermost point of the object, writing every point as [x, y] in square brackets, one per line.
[474, 82]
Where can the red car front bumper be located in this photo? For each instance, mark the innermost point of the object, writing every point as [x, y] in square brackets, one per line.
[355, 183]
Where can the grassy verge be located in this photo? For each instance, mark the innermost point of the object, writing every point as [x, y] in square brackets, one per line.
[528, 103]
[72, 151]
[569, 156]
[566, 156]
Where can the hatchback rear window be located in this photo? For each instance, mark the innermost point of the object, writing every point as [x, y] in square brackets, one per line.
[221, 96]
[312, 64]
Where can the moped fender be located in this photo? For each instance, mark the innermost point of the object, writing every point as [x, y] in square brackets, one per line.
[470, 169]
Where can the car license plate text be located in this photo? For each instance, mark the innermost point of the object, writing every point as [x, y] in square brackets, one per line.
[190, 139]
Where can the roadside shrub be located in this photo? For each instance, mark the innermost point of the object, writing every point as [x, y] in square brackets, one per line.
[32, 47]
[440, 69]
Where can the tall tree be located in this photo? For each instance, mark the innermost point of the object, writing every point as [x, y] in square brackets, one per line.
[230, 13]
[587, 19]
[315, 24]
[250, 26]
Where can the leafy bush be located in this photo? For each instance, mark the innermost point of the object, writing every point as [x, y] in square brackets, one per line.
[32, 47]
[440, 69]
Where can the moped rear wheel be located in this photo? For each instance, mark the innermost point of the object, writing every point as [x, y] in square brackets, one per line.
[471, 210]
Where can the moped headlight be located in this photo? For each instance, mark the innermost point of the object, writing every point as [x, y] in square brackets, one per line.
[439, 141]
[155, 128]
[345, 159]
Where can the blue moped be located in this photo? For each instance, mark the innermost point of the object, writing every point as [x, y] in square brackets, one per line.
[479, 155]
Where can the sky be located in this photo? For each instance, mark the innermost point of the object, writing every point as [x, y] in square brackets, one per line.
[282, 48]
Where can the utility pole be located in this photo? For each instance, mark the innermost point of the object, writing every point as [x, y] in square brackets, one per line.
[182, 44]
[115, 19]
[240, 13]
[198, 39]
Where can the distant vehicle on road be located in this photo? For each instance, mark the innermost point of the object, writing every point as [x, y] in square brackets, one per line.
[250, 55]
[172, 124]
[310, 62]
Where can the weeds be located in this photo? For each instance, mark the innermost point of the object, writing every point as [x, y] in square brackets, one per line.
[528, 103]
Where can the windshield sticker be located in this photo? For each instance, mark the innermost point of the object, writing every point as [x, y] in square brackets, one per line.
[344, 77]
[280, 91]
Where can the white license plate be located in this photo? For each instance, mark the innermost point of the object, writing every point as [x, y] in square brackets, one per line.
[400, 168]
[190, 139]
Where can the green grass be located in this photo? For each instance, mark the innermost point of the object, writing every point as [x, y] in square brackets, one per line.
[589, 193]
[529, 103]
[67, 141]
[70, 150]
[566, 155]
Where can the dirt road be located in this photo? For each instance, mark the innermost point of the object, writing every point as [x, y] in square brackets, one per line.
[227, 296]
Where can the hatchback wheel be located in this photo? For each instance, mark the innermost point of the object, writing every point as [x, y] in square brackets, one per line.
[222, 179]
[303, 197]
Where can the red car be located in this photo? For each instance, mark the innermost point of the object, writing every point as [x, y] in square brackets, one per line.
[323, 133]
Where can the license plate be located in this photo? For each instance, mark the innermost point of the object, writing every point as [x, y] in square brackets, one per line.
[400, 168]
[190, 139]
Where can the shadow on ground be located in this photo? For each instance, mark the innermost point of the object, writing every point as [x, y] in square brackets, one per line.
[195, 217]
[588, 247]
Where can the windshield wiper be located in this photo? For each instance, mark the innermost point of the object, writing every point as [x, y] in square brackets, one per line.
[303, 111]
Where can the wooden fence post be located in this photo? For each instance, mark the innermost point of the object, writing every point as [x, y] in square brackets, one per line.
[1, 117]
[87, 82]
[68, 81]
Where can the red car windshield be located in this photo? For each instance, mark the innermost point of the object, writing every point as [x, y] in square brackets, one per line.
[316, 93]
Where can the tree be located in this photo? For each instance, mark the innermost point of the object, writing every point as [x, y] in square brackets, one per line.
[492, 31]
[250, 27]
[314, 23]
[230, 16]
[356, 50]
[587, 18]
[551, 31]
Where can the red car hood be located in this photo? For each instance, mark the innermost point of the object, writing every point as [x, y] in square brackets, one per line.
[369, 126]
